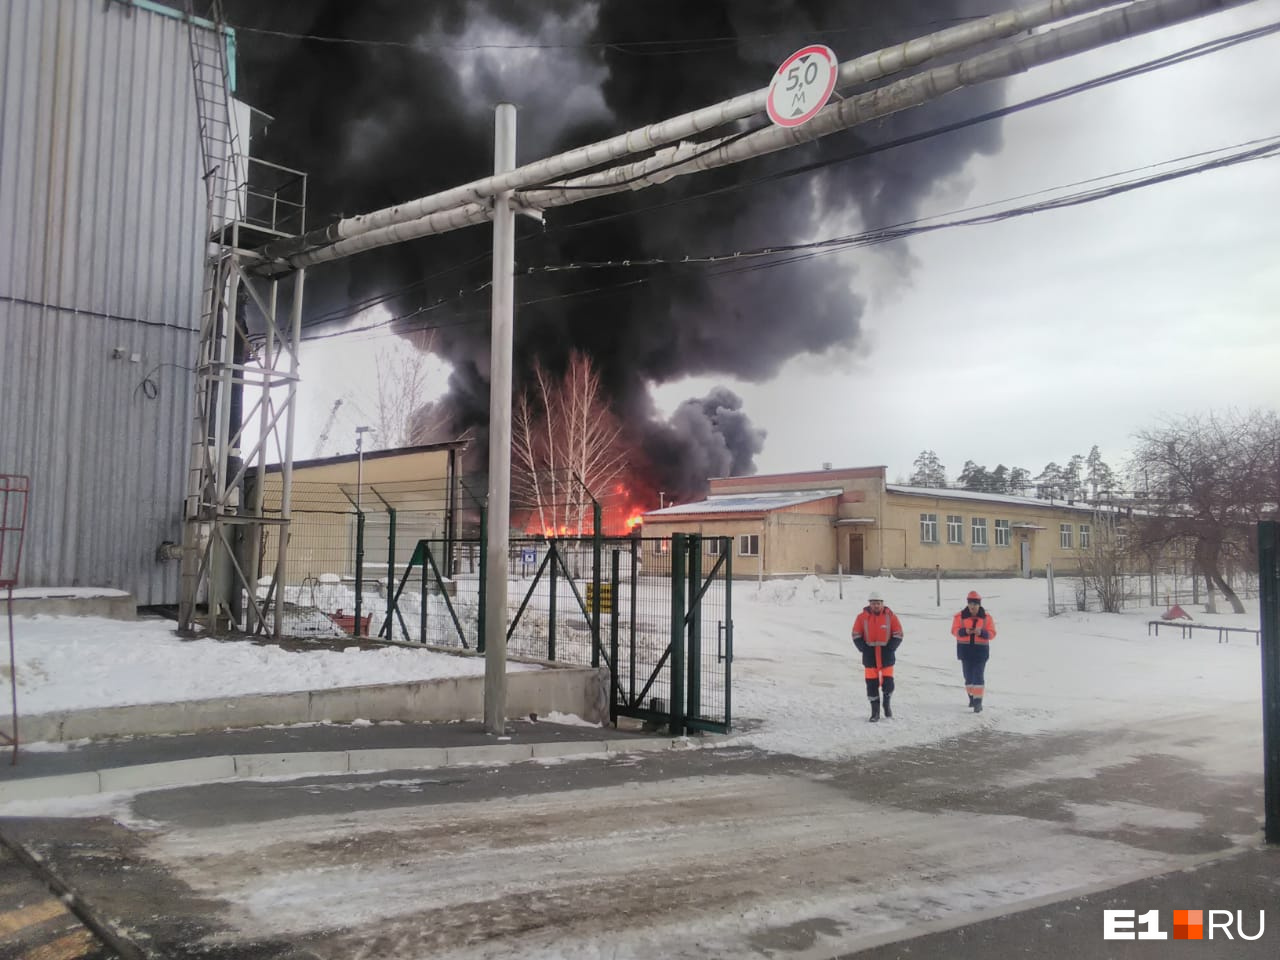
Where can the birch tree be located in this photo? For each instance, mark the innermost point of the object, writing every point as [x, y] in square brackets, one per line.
[403, 378]
[566, 445]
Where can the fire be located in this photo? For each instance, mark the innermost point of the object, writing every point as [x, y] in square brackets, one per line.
[634, 519]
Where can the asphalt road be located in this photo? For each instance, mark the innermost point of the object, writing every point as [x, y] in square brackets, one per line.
[990, 845]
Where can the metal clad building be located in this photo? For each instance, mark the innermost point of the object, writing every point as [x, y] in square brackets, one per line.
[102, 213]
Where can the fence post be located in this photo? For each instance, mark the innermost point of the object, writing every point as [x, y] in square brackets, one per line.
[1048, 578]
[937, 583]
[391, 560]
[615, 675]
[679, 553]
[631, 637]
[595, 578]
[359, 565]
[1269, 614]
[423, 597]
[480, 591]
[840, 579]
[551, 604]
[693, 614]
[728, 633]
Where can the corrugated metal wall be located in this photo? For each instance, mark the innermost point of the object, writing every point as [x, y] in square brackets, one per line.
[101, 217]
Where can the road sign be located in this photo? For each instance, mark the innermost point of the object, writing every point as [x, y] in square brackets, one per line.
[528, 555]
[802, 85]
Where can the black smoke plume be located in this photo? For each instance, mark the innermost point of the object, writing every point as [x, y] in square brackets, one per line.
[376, 124]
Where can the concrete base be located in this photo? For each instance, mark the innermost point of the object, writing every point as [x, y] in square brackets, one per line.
[582, 692]
[112, 605]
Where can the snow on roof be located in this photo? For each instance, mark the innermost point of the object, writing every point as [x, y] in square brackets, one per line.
[745, 502]
[947, 493]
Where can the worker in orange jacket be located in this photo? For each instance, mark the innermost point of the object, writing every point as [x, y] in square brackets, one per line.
[877, 634]
[973, 629]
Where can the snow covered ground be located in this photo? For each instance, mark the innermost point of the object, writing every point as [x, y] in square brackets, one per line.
[1104, 754]
[70, 663]
[795, 667]
[797, 681]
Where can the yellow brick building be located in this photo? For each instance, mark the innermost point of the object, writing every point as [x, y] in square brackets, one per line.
[852, 519]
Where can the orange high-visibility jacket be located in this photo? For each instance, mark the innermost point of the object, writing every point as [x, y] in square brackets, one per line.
[983, 621]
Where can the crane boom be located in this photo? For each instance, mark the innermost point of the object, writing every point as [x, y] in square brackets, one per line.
[328, 426]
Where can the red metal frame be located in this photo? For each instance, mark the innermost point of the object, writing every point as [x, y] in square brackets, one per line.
[15, 489]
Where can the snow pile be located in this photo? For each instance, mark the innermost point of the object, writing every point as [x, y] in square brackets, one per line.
[67, 663]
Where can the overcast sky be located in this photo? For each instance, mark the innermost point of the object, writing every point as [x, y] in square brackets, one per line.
[1030, 340]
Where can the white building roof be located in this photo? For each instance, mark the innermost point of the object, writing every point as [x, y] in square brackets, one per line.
[946, 493]
[744, 502]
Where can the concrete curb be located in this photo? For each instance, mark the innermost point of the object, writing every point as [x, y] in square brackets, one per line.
[580, 691]
[175, 773]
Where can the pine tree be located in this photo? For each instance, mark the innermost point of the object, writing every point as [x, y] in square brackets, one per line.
[1098, 475]
[1072, 479]
[999, 479]
[1049, 482]
[928, 471]
[1019, 480]
[973, 477]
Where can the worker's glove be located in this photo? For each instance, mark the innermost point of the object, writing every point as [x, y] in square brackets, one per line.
[984, 634]
[963, 632]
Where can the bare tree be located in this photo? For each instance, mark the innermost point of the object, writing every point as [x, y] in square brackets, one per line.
[565, 442]
[403, 377]
[1210, 480]
[1103, 563]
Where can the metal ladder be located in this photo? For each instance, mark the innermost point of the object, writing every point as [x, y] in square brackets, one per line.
[219, 146]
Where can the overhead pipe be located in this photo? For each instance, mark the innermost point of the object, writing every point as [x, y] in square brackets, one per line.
[467, 200]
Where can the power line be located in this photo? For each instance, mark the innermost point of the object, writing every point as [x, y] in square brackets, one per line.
[1261, 148]
[1174, 59]
[684, 46]
[1257, 149]
[1159, 63]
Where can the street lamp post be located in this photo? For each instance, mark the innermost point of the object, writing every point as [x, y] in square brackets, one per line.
[360, 432]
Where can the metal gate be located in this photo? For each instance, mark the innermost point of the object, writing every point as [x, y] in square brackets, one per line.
[558, 617]
[670, 648]
[430, 604]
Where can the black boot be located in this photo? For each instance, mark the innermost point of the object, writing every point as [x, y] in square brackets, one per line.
[875, 712]
[977, 704]
[887, 712]
[971, 699]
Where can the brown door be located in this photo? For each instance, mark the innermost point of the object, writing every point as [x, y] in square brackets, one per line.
[855, 554]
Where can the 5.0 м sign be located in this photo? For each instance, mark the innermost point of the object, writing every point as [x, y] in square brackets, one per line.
[802, 86]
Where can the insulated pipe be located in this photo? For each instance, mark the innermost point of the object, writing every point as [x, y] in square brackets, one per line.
[869, 67]
[1140, 17]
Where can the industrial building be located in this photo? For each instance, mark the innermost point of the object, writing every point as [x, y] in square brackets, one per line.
[852, 520]
[103, 216]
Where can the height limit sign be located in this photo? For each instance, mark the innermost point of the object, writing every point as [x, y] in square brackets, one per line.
[802, 85]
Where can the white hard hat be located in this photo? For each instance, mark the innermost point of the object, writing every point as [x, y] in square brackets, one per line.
[875, 595]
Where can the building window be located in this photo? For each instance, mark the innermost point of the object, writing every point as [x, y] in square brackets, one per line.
[1064, 536]
[955, 529]
[1084, 536]
[1122, 539]
[1002, 533]
[928, 528]
[662, 546]
[711, 546]
[979, 531]
[749, 545]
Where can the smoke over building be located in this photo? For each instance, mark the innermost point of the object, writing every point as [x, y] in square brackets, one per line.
[378, 123]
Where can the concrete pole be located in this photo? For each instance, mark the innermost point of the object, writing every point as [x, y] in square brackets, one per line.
[499, 521]
[286, 468]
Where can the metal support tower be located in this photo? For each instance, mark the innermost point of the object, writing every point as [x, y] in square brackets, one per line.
[246, 371]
